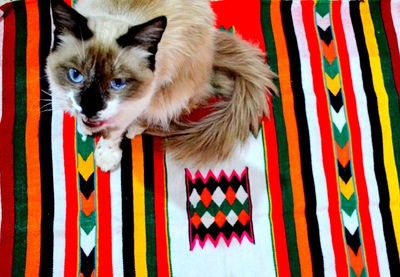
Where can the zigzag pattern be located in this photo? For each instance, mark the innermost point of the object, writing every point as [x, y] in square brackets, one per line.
[87, 218]
[219, 208]
[342, 138]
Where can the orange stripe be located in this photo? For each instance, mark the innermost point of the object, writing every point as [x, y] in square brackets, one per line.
[32, 142]
[292, 138]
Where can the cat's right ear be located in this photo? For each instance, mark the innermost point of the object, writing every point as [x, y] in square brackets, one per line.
[69, 21]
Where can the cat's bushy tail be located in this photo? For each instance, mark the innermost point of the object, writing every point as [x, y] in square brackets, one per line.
[242, 80]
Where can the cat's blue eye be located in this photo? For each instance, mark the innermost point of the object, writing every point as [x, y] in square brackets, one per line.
[75, 76]
[118, 84]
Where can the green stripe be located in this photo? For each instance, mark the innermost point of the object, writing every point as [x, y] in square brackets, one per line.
[149, 205]
[387, 71]
[20, 174]
[284, 165]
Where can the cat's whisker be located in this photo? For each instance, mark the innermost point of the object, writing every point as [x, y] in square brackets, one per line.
[46, 92]
[46, 105]
[43, 77]
[45, 111]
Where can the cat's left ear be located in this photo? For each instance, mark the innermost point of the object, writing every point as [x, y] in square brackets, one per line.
[146, 36]
[67, 20]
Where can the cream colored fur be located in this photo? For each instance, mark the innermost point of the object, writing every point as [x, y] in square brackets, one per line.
[191, 56]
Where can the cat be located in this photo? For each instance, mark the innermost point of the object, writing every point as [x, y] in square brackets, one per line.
[127, 67]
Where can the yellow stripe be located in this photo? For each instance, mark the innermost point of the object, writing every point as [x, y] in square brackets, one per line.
[383, 109]
[139, 207]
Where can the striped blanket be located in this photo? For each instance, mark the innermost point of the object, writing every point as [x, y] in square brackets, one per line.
[316, 193]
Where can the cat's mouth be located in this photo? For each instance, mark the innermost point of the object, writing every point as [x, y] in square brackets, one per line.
[93, 124]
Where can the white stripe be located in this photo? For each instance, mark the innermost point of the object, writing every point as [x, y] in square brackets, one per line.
[59, 191]
[116, 222]
[315, 143]
[395, 8]
[366, 141]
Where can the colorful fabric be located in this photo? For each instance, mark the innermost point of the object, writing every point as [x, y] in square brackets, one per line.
[316, 193]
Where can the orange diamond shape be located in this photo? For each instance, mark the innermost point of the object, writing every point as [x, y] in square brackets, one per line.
[206, 197]
[196, 220]
[243, 217]
[220, 219]
[230, 195]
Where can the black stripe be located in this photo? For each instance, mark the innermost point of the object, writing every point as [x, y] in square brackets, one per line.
[46, 167]
[376, 130]
[304, 142]
[127, 208]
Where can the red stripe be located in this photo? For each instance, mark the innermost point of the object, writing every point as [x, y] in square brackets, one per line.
[72, 198]
[392, 40]
[6, 141]
[355, 134]
[329, 160]
[160, 198]
[104, 239]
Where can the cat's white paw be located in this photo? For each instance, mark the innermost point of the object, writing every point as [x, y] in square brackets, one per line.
[134, 130]
[107, 155]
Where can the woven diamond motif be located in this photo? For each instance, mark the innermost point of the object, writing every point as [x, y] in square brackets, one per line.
[232, 218]
[218, 207]
[194, 198]
[220, 219]
[196, 220]
[241, 195]
[206, 197]
[207, 219]
[230, 195]
[218, 196]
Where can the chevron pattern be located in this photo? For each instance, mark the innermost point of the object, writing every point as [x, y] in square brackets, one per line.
[87, 218]
[219, 208]
[348, 198]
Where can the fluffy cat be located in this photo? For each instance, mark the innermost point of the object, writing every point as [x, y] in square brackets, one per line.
[125, 67]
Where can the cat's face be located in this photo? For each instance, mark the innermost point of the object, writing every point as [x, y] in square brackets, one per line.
[94, 75]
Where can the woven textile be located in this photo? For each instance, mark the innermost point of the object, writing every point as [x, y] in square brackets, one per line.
[316, 193]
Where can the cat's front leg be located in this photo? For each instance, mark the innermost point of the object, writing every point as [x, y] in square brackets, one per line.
[134, 130]
[108, 152]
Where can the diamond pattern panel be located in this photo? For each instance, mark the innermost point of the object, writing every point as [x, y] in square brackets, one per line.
[218, 207]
